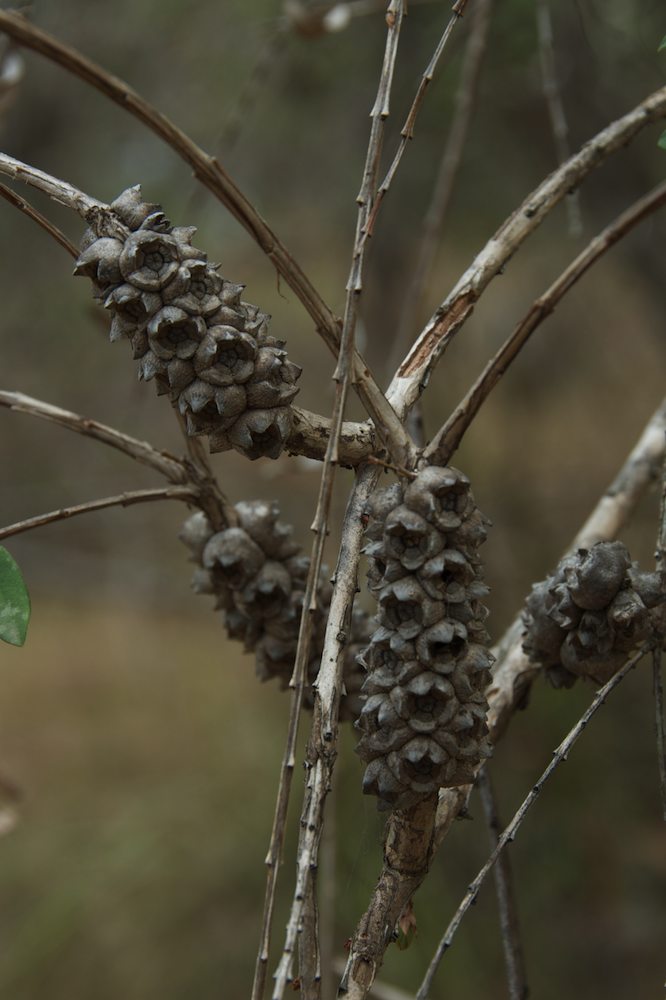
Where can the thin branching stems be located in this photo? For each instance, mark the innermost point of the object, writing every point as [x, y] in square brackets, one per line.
[506, 897]
[24, 206]
[447, 173]
[508, 835]
[555, 105]
[414, 372]
[448, 439]
[320, 756]
[184, 493]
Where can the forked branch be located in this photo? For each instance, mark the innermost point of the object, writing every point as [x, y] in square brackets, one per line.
[413, 374]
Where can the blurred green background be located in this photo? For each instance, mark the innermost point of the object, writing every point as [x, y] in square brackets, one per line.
[146, 751]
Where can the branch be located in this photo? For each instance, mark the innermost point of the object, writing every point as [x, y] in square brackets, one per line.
[60, 191]
[558, 120]
[185, 493]
[413, 836]
[311, 432]
[210, 172]
[413, 374]
[321, 751]
[407, 133]
[657, 685]
[506, 900]
[448, 439]
[172, 468]
[41, 220]
[509, 834]
[446, 176]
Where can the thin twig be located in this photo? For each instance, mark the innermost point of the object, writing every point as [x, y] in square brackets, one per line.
[184, 493]
[322, 745]
[61, 191]
[509, 834]
[211, 173]
[446, 177]
[555, 104]
[657, 684]
[328, 876]
[24, 206]
[407, 133]
[506, 899]
[412, 837]
[169, 466]
[448, 439]
[321, 751]
[658, 692]
[415, 370]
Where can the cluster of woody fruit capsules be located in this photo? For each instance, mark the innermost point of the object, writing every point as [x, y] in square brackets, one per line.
[416, 675]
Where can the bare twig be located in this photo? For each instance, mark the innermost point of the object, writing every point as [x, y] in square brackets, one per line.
[446, 176]
[311, 432]
[657, 684]
[414, 372]
[559, 755]
[413, 836]
[558, 120]
[321, 751]
[506, 900]
[658, 691]
[322, 745]
[380, 990]
[448, 439]
[172, 468]
[210, 172]
[24, 206]
[60, 191]
[184, 493]
[407, 132]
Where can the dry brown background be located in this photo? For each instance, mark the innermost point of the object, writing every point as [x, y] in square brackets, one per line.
[147, 752]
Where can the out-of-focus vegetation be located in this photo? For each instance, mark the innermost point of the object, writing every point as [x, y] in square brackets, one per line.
[147, 752]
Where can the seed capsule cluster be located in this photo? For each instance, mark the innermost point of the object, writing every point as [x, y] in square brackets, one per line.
[257, 574]
[424, 721]
[595, 609]
[191, 333]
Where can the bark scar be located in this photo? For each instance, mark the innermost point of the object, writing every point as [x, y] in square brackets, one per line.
[436, 338]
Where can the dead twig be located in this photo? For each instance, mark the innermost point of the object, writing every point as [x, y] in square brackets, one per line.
[555, 105]
[506, 900]
[657, 684]
[24, 206]
[184, 493]
[448, 439]
[509, 834]
[407, 132]
[320, 755]
[414, 372]
[446, 177]
[167, 465]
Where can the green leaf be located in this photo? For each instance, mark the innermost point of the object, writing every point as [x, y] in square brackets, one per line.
[14, 601]
[662, 44]
[661, 141]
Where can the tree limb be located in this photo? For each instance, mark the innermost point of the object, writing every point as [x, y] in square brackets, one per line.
[414, 372]
[448, 439]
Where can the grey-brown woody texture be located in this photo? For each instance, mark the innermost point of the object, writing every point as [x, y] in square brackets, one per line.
[424, 721]
[257, 574]
[595, 609]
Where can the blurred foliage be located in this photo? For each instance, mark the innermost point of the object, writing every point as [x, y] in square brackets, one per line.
[147, 752]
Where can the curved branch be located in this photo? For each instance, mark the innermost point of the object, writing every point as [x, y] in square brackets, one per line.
[448, 439]
[211, 173]
[414, 372]
[169, 466]
[24, 206]
[185, 493]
